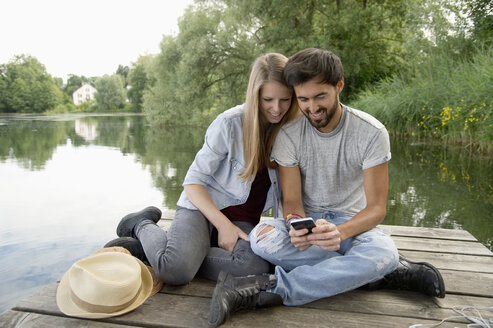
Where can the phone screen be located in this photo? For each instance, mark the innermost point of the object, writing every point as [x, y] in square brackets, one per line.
[305, 223]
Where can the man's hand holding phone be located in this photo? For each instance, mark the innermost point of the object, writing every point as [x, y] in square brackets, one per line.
[305, 232]
[299, 230]
[303, 223]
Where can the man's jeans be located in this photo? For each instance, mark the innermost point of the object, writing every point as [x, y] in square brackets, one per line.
[177, 255]
[305, 276]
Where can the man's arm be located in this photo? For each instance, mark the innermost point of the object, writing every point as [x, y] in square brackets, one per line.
[290, 178]
[376, 183]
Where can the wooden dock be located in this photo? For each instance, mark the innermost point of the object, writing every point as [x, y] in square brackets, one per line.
[466, 266]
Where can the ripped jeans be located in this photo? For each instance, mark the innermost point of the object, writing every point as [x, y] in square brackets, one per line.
[312, 274]
[188, 249]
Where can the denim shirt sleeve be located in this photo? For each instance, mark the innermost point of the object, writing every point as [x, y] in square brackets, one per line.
[219, 163]
[214, 150]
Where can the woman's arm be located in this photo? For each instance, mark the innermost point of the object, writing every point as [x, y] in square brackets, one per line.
[228, 233]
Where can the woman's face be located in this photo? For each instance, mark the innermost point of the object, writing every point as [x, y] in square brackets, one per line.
[275, 100]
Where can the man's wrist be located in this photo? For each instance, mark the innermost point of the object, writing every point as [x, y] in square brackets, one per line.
[291, 217]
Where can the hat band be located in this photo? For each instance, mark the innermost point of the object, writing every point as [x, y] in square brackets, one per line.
[95, 308]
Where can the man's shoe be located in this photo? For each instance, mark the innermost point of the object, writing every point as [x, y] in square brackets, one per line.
[237, 293]
[132, 245]
[126, 226]
[418, 276]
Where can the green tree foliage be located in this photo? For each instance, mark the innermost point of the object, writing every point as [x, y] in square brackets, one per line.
[205, 67]
[110, 94]
[481, 13]
[368, 36]
[25, 86]
[204, 70]
[139, 83]
[123, 71]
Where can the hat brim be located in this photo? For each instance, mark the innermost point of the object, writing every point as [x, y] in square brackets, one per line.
[68, 307]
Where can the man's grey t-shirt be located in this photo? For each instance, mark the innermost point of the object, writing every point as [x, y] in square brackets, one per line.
[332, 164]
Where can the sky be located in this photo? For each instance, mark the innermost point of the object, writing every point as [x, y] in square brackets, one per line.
[89, 37]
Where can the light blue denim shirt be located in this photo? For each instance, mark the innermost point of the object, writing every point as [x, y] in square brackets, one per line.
[219, 162]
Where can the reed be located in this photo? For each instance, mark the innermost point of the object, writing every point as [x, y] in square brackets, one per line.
[444, 97]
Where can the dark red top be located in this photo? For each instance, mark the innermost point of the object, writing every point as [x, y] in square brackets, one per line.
[252, 209]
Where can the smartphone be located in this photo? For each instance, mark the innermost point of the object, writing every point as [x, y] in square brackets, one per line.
[304, 223]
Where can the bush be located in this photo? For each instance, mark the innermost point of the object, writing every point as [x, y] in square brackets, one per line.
[444, 97]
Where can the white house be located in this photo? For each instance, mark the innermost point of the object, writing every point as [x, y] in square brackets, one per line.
[84, 93]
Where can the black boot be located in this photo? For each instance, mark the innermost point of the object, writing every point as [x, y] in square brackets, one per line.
[237, 293]
[418, 276]
[132, 245]
[128, 222]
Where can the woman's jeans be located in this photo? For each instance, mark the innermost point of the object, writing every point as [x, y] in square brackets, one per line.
[305, 276]
[185, 250]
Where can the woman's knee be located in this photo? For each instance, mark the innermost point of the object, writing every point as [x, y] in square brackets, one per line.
[250, 263]
[177, 272]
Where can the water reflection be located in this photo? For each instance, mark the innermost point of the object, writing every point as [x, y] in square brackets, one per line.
[66, 181]
[434, 187]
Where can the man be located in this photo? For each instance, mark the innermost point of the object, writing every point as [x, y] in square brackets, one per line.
[333, 164]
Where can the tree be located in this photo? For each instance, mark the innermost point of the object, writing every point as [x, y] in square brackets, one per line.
[25, 86]
[123, 72]
[204, 70]
[110, 94]
[138, 81]
[481, 14]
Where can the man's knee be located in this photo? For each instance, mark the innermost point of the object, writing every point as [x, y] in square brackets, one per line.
[266, 239]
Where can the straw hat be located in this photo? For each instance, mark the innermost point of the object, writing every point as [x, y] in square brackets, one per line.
[157, 284]
[104, 284]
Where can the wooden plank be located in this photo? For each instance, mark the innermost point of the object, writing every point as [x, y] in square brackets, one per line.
[388, 302]
[164, 310]
[465, 265]
[464, 300]
[449, 261]
[160, 310]
[456, 282]
[198, 287]
[16, 319]
[305, 317]
[468, 283]
[441, 246]
[422, 232]
[383, 302]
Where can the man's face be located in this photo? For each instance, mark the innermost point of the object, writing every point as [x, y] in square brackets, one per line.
[319, 102]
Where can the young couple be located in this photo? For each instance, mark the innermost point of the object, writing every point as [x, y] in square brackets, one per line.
[331, 164]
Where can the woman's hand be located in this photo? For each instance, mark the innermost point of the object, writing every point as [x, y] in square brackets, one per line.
[228, 236]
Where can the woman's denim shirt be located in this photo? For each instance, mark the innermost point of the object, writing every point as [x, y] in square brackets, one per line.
[220, 161]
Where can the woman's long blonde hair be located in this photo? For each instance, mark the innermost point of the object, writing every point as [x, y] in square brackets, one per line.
[257, 141]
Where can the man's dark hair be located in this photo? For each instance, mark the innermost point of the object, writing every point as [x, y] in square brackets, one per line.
[311, 63]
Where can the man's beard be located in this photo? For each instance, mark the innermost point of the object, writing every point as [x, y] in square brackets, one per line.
[326, 119]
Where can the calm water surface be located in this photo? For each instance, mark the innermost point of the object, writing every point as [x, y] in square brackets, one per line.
[66, 180]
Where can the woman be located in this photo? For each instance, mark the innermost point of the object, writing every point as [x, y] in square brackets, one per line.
[228, 186]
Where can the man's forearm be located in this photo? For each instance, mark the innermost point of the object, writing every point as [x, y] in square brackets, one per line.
[365, 220]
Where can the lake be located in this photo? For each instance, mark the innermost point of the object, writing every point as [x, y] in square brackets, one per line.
[66, 181]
